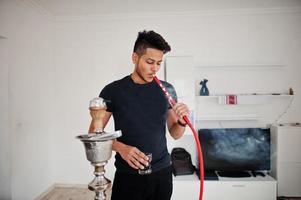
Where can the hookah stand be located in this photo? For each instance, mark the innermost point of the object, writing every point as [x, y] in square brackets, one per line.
[100, 184]
[98, 149]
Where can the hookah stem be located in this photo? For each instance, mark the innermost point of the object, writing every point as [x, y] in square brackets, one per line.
[172, 102]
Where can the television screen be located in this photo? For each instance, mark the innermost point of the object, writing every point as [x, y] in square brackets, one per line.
[235, 149]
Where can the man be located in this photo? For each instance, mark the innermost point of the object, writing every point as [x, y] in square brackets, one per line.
[141, 111]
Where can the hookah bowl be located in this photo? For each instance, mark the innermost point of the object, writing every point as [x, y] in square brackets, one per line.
[98, 149]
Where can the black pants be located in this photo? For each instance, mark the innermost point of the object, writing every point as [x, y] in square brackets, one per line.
[155, 186]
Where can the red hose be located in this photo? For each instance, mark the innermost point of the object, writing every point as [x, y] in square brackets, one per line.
[172, 102]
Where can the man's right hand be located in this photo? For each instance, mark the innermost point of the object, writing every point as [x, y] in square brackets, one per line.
[132, 155]
[99, 120]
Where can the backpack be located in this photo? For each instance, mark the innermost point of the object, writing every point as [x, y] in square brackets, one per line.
[181, 162]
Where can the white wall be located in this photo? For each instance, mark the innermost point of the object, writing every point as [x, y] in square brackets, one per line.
[5, 147]
[56, 65]
[249, 40]
[5, 152]
[90, 52]
[30, 88]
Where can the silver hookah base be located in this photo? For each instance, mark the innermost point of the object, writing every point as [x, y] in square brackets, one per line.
[98, 149]
[100, 184]
[98, 153]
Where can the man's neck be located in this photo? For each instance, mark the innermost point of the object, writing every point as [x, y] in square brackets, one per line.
[137, 78]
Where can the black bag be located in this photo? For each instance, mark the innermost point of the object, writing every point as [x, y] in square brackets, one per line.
[181, 162]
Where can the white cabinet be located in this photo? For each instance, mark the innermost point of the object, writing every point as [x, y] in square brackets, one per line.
[261, 188]
[286, 159]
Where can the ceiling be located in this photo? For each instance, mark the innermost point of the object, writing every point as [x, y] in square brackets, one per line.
[60, 8]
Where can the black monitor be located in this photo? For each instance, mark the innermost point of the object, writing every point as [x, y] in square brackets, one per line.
[235, 149]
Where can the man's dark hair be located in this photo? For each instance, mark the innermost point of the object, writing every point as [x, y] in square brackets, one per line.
[150, 39]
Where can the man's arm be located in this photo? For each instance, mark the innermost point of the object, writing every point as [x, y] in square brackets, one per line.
[175, 123]
[98, 120]
[133, 156]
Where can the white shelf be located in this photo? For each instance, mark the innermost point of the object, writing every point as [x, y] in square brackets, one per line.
[240, 66]
[266, 95]
[244, 99]
[228, 117]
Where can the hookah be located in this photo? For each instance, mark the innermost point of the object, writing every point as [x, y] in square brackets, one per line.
[172, 102]
[98, 148]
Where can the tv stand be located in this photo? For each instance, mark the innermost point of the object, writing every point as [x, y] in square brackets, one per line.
[208, 175]
[234, 174]
[213, 175]
[225, 188]
[256, 173]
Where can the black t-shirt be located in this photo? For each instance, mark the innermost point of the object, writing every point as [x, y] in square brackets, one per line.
[140, 112]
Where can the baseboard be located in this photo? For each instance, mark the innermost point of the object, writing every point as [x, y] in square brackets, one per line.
[46, 192]
[288, 198]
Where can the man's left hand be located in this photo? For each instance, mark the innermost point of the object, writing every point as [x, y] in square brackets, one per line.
[181, 110]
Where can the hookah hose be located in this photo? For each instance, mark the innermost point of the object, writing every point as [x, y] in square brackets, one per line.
[172, 102]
